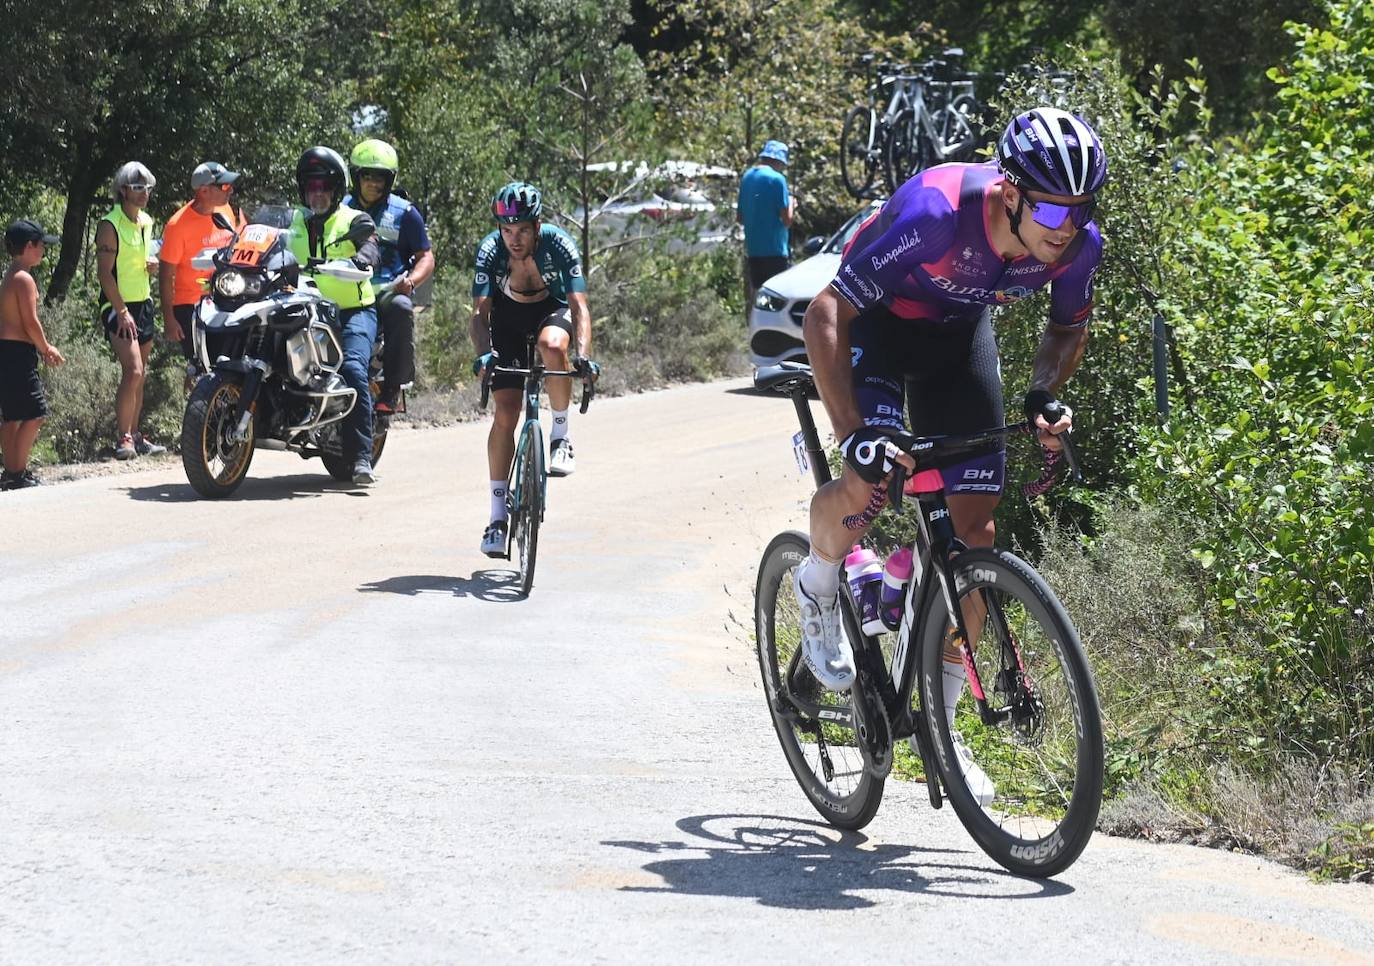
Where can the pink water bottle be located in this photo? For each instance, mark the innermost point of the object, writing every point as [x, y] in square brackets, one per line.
[896, 575]
[865, 575]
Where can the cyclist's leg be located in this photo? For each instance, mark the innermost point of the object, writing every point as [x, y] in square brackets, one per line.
[960, 391]
[555, 338]
[878, 349]
[876, 352]
[508, 334]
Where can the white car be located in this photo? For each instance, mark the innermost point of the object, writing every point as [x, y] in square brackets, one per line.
[775, 320]
[686, 205]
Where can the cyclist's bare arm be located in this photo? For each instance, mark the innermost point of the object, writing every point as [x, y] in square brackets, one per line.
[1057, 359]
[582, 323]
[825, 331]
[479, 326]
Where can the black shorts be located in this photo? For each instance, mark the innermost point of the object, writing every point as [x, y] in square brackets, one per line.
[184, 314]
[511, 325]
[21, 394]
[144, 318]
[949, 375]
[764, 267]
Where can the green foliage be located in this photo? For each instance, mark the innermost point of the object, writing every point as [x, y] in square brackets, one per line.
[1347, 855]
[750, 70]
[1271, 459]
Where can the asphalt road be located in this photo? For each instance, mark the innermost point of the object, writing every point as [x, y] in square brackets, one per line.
[313, 724]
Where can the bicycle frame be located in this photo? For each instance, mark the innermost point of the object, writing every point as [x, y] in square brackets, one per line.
[934, 551]
[531, 432]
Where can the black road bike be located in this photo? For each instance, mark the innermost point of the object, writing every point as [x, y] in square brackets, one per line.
[527, 487]
[1028, 715]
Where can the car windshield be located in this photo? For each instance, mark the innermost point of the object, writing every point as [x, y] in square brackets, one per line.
[841, 238]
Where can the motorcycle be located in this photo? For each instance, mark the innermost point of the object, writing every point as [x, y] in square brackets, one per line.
[269, 345]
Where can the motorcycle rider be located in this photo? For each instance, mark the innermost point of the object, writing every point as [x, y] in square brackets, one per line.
[406, 260]
[322, 231]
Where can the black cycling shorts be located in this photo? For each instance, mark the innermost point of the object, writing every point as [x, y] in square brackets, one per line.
[145, 320]
[21, 394]
[511, 324]
[946, 372]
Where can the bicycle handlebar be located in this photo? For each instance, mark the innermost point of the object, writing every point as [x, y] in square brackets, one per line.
[588, 384]
[891, 490]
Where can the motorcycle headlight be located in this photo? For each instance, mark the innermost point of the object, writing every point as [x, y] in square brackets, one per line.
[769, 301]
[232, 284]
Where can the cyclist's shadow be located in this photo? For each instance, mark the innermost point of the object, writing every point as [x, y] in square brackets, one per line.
[501, 586]
[802, 864]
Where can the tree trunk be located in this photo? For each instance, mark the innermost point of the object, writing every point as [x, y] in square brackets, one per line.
[80, 190]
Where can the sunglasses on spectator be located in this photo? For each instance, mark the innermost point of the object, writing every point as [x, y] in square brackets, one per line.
[140, 187]
[1047, 214]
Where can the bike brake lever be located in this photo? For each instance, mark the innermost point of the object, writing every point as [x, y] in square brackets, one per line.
[894, 486]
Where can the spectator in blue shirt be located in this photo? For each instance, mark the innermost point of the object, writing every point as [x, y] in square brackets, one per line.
[766, 209]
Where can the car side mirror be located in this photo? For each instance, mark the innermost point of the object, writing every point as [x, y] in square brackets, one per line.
[813, 244]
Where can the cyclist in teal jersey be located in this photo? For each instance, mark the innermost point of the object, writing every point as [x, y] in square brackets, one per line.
[528, 278]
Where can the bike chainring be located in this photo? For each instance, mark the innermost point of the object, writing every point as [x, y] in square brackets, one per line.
[873, 727]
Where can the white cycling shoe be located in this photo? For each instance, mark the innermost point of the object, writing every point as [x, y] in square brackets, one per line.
[561, 462]
[824, 648]
[494, 538]
[979, 784]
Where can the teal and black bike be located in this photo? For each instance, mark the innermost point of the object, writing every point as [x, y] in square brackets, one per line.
[526, 489]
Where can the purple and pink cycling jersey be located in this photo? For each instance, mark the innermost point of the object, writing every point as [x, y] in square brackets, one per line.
[926, 255]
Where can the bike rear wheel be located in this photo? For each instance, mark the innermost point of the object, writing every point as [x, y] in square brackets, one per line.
[959, 128]
[1045, 757]
[859, 150]
[527, 512]
[906, 151]
[821, 749]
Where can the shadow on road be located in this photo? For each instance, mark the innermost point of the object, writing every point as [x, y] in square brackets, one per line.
[800, 864]
[501, 586]
[267, 488]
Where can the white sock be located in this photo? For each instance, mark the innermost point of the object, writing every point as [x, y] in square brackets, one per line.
[560, 425]
[954, 686]
[498, 500]
[821, 578]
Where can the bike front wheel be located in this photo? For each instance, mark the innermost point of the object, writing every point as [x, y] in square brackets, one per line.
[859, 150]
[906, 151]
[526, 491]
[815, 727]
[1028, 784]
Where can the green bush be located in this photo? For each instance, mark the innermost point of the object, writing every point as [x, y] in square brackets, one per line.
[1270, 457]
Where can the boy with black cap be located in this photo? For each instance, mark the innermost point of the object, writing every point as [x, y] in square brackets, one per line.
[22, 341]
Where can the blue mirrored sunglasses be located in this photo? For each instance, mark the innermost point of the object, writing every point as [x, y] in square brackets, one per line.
[1049, 215]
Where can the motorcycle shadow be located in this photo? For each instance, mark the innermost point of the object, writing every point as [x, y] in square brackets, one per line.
[264, 488]
[499, 586]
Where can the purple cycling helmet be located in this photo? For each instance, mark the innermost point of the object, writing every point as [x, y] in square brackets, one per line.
[1052, 151]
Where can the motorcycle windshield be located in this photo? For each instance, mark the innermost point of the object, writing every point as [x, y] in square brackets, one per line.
[274, 216]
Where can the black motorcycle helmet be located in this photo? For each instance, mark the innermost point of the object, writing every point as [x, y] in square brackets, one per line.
[326, 163]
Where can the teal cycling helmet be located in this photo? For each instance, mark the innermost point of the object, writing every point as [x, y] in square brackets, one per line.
[517, 201]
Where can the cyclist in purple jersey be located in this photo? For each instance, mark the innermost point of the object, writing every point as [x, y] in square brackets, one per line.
[906, 323]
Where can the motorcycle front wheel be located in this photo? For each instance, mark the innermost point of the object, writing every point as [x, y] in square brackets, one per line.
[215, 464]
